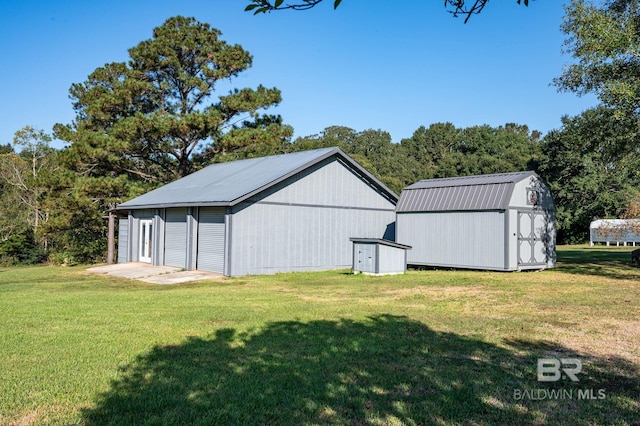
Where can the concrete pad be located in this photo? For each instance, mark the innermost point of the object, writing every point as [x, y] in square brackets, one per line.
[153, 274]
[133, 270]
[182, 277]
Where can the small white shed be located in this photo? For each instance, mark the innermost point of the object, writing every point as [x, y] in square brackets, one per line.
[376, 256]
[503, 222]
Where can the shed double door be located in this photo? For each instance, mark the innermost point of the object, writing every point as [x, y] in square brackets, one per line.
[533, 237]
[364, 258]
[211, 240]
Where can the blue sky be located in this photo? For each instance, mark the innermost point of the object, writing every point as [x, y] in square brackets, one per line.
[390, 65]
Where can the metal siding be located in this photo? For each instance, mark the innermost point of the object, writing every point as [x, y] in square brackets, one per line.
[211, 231]
[507, 239]
[131, 223]
[123, 240]
[192, 238]
[305, 222]
[134, 235]
[158, 259]
[228, 219]
[269, 238]
[175, 240]
[330, 183]
[456, 239]
[551, 232]
[519, 196]
[391, 260]
[512, 235]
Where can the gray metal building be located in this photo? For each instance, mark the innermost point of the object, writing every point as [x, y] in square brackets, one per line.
[502, 222]
[290, 212]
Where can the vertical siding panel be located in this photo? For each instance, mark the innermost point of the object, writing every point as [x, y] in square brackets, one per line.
[123, 240]
[158, 245]
[300, 238]
[135, 237]
[457, 239]
[328, 184]
[391, 259]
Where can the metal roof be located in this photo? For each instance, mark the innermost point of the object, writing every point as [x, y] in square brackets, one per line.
[226, 184]
[613, 223]
[380, 241]
[481, 192]
[472, 180]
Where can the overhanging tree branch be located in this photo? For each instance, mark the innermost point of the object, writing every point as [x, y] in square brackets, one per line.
[456, 7]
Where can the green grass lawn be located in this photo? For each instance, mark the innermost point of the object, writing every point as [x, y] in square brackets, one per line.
[428, 347]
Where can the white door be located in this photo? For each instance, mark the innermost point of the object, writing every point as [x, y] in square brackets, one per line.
[532, 238]
[364, 258]
[146, 240]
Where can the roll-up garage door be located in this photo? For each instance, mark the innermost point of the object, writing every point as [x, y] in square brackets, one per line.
[211, 240]
[175, 238]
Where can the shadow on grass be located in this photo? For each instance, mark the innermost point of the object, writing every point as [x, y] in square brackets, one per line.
[596, 254]
[615, 375]
[611, 263]
[384, 370]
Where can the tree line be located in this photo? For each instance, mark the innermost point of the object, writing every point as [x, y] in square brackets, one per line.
[49, 210]
[157, 117]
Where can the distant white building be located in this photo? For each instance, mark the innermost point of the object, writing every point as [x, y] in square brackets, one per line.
[614, 231]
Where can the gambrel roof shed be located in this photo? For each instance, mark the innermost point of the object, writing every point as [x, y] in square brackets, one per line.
[503, 221]
[289, 212]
